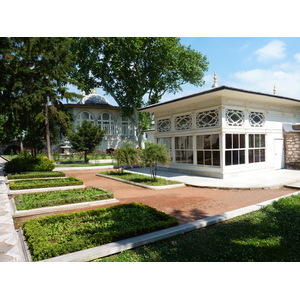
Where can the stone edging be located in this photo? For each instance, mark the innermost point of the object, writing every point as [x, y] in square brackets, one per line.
[119, 246]
[162, 187]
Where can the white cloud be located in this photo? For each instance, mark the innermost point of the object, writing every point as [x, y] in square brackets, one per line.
[273, 50]
[297, 57]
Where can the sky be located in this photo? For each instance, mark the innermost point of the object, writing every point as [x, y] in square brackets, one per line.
[251, 63]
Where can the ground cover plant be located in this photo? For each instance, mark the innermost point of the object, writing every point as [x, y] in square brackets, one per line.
[35, 175]
[44, 183]
[56, 198]
[139, 178]
[64, 233]
[271, 234]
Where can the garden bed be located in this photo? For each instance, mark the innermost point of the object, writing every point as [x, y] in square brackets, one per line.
[44, 183]
[25, 175]
[65, 233]
[57, 201]
[141, 180]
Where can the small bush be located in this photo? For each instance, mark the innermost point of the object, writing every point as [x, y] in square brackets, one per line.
[44, 183]
[24, 175]
[64, 233]
[29, 164]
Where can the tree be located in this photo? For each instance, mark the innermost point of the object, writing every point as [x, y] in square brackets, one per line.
[138, 71]
[153, 154]
[34, 73]
[86, 137]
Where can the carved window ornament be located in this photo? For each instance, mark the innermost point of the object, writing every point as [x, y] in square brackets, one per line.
[256, 119]
[164, 125]
[183, 122]
[235, 117]
[208, 118]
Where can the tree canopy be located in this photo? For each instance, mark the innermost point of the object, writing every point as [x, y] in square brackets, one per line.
[138, 71]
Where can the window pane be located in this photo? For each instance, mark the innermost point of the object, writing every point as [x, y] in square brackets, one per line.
[200, 158]
[216, 158]
[242, 141]
[242, 156]
[263, 140]
[228, 158]
[208, 158]
[235, 157]
[257, 140]
[262, 155]
[215, 141]
[207, 142]
[199, 140]
[251, 158]
[228, 141]
[251, 144]
[189, 142]
[236, 143]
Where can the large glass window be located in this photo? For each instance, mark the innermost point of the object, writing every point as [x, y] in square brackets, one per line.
[208, 150]
[184, 149]
[235, 149]
[257, 148]
[106, 121]
[168, 142]
[127, 127]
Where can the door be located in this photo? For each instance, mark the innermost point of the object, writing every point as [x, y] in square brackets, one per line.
[279, 156]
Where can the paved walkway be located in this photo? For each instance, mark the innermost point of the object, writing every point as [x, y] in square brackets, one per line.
[258, 180]
[10, 247]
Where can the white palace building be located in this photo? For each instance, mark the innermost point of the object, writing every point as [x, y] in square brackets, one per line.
[224, 131]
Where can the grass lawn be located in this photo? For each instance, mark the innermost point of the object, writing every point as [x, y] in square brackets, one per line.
[35, 175]
[271, 234]
[56, 198]
[83, 165]
[139, 178]
[64, 233]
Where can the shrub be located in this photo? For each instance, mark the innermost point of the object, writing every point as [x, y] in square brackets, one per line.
[29, 164]
[64, 233]
[44, 183]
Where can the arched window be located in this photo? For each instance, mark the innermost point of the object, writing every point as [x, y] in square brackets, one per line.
[84, 116]
[106, 121]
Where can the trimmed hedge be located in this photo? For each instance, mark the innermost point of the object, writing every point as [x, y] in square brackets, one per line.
[64, 233]
[36, 175]
[44, 183]
[29, 164]
[56, 198]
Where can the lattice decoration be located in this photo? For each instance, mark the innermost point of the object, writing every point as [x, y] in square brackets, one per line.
[256, 119]
[235, 117]
[209, 118]
[164, 125]
[183, 122]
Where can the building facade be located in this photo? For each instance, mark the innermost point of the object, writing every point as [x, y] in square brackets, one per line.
[225, 131]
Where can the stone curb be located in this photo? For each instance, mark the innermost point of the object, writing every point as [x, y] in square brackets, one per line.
[116, 247]
[162, 187]
[61, 208]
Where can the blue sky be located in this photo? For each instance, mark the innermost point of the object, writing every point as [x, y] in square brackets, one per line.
[251, 63]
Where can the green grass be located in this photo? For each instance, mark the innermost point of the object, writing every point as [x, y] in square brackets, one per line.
[35, 175]
[44, 183]
[83, 165]
[271, 234]
[139, 178]
[56, 198]
[64, 233]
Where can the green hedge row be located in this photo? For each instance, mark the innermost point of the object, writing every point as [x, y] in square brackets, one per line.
[60, 234]
[29, 164]
[24, 175]
[56, 198]
[44, 183]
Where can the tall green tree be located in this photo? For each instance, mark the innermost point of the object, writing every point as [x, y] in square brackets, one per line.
[138, 71]
[34, 74]
[86, 137]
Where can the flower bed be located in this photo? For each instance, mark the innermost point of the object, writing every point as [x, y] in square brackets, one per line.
[44, 183]
[64, 233]
[35, 175]
[56, 198]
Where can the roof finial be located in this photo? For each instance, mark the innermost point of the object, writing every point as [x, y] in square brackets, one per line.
[215, 80]
[274, 90]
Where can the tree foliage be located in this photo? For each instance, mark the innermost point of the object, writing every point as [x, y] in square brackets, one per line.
[138, 71]
[86, 137]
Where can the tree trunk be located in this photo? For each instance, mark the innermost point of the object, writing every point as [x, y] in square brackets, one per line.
[48, 146]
